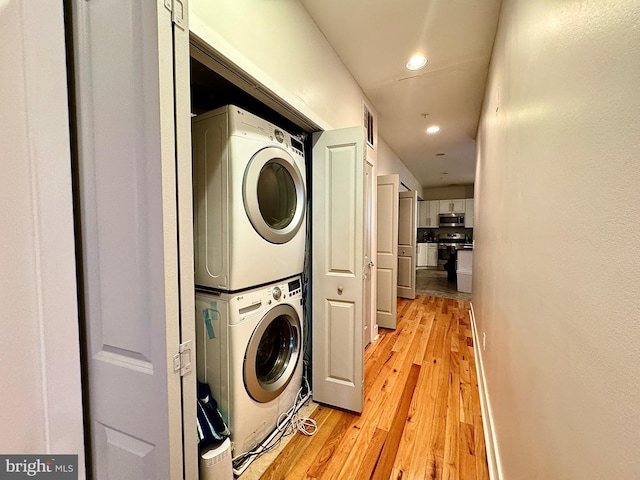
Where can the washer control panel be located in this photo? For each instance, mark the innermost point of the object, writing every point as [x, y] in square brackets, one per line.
[256, 301]
[294, 286]
[284, 291]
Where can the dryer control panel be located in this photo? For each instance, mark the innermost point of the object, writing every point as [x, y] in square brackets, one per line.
[248, 125]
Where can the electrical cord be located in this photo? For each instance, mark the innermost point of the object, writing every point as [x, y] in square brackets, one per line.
[305, 425]
[287, 426]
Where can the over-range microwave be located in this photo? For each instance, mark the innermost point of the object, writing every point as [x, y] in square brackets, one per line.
[451, 219]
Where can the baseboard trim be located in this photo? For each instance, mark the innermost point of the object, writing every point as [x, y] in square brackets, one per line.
[493, 457]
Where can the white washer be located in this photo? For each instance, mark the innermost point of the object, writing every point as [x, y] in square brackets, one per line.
[249, 349]
[249, 201]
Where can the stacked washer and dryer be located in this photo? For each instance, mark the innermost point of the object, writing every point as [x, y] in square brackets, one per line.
[249, 240]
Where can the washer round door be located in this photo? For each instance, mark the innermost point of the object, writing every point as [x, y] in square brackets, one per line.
[272, 353]
[274, 195]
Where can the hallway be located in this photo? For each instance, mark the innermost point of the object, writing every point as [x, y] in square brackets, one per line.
[421, 417]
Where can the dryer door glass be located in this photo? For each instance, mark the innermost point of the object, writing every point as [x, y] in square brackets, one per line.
[274, 195]
[272, 354]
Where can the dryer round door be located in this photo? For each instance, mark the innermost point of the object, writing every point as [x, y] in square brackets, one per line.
[272, 353]
[274, 195]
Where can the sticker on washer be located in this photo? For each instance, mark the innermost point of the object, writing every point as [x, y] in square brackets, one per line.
[208, 316]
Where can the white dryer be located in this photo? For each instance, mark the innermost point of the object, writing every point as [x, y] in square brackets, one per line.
[249, 201]
[249, 349]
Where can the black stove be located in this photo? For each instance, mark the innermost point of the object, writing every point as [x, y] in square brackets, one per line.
[456, 241]
[448, 246]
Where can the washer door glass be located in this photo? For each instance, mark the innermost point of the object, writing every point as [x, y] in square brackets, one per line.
[272, 354]
[274, 195]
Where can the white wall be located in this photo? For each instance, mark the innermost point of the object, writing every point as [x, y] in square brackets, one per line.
[389, 163]
[39, 348]
[277, 43]
[556, 287]
[445, 193]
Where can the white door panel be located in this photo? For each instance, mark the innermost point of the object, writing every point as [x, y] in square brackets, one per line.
[338, 263]
[124, 80]
[404, 271]
[407, 244]
[387, 254]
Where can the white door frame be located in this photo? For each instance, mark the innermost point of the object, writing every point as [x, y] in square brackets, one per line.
[370, 300]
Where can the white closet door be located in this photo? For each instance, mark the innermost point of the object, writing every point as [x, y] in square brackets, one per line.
[387, 261]
[338, 213]
[182, 91]
[407, 244]
[128, 225]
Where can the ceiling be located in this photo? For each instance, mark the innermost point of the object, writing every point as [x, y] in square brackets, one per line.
[376, 38]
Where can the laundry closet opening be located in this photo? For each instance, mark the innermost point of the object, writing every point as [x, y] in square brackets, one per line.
[251, 207]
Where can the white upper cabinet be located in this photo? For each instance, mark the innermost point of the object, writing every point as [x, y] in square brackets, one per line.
[468, 213]
[428, 213]
[452, 206]
[422, 214]
[433, 208]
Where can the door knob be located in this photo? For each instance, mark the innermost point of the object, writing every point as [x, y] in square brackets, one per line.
[340, 290]
[371, 265]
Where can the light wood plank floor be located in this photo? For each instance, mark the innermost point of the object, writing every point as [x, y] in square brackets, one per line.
[421, 418]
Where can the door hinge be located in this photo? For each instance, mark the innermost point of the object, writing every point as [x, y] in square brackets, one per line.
[182, 360]
[178, 9]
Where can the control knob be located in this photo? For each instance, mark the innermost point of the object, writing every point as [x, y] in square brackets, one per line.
[276, 292]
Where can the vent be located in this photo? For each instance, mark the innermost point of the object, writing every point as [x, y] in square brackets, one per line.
[368, 124]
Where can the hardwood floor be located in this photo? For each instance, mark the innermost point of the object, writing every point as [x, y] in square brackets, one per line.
[421, 418]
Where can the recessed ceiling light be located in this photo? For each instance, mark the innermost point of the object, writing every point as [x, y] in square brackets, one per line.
[433, 129]
[417, 62]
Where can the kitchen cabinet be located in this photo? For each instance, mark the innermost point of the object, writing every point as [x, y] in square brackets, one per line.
[433, 207]
[468, 213]
[432, 254]
[428, 211]
[427, 254]
[422, 214]
[422, 255]
[452, 206]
